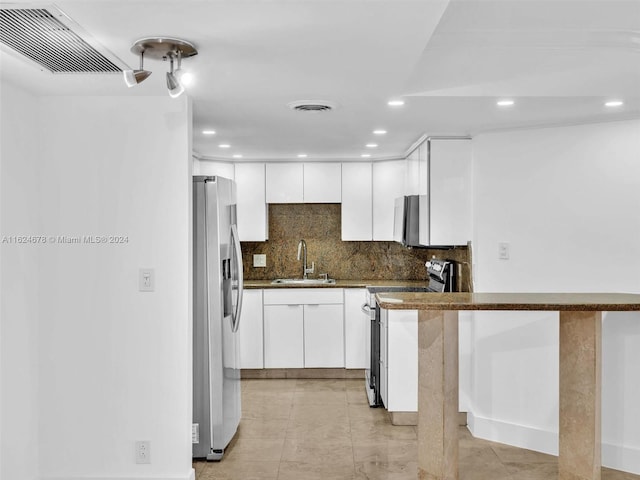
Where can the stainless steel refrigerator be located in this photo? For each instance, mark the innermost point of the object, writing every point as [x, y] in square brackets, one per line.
[217, 303]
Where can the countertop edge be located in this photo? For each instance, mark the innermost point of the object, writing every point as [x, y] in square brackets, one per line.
[608, 302]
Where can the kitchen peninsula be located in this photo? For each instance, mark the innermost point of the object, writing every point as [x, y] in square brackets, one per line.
[580, 372]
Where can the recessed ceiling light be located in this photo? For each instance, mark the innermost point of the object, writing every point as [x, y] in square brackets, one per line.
[365, 155]
[614, 103]
[379, 132]
[395, 103]
[302, 155]
[371, 145]
[237, 155]
[224, 145]
[505, 103]
[208, 132]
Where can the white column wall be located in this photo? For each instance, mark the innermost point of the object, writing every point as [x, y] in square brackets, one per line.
[88, 363]
[19, 287]
[564, 198]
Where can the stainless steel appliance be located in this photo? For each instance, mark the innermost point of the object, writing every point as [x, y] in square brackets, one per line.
[217, 303]
[442, 278]
[406, 220]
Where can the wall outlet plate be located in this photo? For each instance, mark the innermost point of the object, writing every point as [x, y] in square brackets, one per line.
[260, 260]
[143, 451]
[503, 250]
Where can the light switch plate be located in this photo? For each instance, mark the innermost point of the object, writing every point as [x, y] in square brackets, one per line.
[146, 280]
[260, 260]
[503, 250]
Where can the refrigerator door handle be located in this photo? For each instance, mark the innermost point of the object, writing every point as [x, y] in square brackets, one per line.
[240, 285]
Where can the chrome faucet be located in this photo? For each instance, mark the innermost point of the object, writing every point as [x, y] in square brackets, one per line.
[302, 248]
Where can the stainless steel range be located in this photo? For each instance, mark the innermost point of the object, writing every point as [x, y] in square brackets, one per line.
[442, 278]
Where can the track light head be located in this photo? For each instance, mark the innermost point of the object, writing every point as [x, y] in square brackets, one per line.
[134, 77]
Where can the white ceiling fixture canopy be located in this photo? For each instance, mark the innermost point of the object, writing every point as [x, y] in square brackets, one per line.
[161, 48]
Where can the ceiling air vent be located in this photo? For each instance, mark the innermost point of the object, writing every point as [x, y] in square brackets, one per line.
[312, 106]
[40, 35]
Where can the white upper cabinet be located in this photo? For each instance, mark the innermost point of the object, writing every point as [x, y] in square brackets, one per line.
[322, 183]
[388, 184]
[211, 168]
[251, 202]
[357, 218]
[447, 221]
[285, 183]
[412, 173]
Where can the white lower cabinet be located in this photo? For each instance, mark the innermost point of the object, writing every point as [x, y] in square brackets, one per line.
[283, 336]
[250, 330]
[357, 329]
[401, 360]
[323, 336]
[303, 328]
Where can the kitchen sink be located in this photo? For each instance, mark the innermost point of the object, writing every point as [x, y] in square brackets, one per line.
[303, 281]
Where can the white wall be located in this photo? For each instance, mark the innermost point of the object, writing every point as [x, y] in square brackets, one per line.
[19, 289]
[564, 198]
[105, 364]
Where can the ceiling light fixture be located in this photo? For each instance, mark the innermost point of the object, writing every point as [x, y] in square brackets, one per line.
[224, 145]
[208, 132]
[371, 145]
[365, 155]
[162, 48]
[395, 103]
[379, 132]
[237, 155]
[134, 77]
[302, 155]
[614, 103]
[505, 103]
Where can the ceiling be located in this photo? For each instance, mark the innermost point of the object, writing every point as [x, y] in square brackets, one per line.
[449, 60]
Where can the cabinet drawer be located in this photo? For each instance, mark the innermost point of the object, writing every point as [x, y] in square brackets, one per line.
[301, 296]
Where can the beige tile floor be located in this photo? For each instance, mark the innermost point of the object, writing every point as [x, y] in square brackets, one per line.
[324, 429]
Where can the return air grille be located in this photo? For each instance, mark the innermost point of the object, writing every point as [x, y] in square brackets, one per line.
[40, 36]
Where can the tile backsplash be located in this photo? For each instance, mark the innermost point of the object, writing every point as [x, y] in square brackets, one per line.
[320, 225]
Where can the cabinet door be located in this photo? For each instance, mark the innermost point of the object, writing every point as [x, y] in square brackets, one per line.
[322, 183]
[450, 192]
[388, 184]
[402, 361]
[251, 202]
[250, 330]
[284, 182]
[357, 329]
[357, 218]
[384, 374]
[283, 336]
[323, 336]
[412, 173]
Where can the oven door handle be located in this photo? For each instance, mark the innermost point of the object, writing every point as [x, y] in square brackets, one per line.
[366, 308]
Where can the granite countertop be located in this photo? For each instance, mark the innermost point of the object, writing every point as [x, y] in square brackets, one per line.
[255, 284]
[510, 301]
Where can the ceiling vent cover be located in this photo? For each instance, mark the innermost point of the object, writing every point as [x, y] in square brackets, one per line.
[312, 106]
[37, 34]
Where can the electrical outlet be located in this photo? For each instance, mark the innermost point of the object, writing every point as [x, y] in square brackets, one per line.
[143, 451]
[503, 250]
[260, 260]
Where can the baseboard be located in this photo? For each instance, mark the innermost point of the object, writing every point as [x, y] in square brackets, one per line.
[189, 476]
[301, 373]
[622, 458]
[617, 457]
